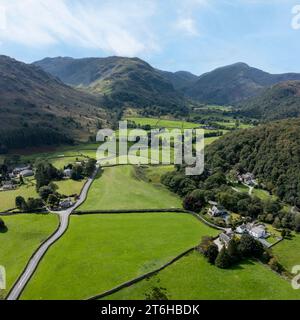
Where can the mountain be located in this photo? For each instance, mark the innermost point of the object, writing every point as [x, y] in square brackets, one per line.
[180, 79]
[36, 108]
[277, 102]
[270, 151]
[234, 83]
[118, 81]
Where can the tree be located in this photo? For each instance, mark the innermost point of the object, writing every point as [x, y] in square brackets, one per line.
[249, 247]
[21, 203]
[212, 253]
[34, 204]
[44, 192]
[233, 250]
[90, 167]
[194, 201]
[45, 173]
[53, 201]
[215, 180]
[157, 293]
[21, 180]
[223, 260]
[77, 172]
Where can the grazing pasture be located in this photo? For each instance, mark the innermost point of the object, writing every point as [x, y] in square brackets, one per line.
[24, 234]
[120, 188]
[99, 252]
[193, 278]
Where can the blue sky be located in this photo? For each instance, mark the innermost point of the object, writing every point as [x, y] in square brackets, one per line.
[192, 35]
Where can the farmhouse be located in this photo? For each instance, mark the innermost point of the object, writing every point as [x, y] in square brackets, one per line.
[258, 232]
[66, 203]
[21, 168]
[247, 178]
[68, 173]
[26, 173]
[241, 229]
[216, 211]
[8, 185]
[225, 237]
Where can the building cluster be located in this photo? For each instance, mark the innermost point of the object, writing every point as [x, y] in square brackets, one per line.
[257, 231]
[247, 178]
[216, 210]
[16, 173]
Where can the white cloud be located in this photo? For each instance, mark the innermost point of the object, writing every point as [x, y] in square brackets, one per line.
[187, 12]
[188, 26]
[112, 26]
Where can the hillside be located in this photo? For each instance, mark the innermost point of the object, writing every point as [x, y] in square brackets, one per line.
[278, 102]
[118, 81]
[180, 79]
[231, 84]
[271, 152]
[37, 108]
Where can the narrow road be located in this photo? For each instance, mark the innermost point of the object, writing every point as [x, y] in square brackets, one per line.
[37, 257]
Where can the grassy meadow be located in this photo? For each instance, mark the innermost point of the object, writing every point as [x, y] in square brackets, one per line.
[100, 252]
[120, 188]
[193, 278]
[288, 252]
[24, 234]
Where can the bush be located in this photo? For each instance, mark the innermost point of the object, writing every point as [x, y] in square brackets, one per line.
[275, 265]
[21, 203]
[2, 225]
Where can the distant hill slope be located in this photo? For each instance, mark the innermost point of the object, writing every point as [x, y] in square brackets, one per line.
[119, 81]
[278, 102]
[270, 151]
[36, 108]
[180, 79]
[234, 83]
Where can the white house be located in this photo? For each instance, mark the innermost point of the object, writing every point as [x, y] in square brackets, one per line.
[258, 232]
[241, 229]
[68, 173]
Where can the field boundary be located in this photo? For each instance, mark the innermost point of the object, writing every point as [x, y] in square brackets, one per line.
[140, 278]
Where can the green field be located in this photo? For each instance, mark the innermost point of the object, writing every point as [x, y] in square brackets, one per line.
[24, 234]
[69, 187]
[193, 278]
[119, 188]
[154, 173]
[8, 198]
[100, 252]
[288, 252]
[61, 162]
[163, 123]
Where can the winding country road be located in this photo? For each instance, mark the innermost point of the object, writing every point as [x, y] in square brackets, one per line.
[37, 257]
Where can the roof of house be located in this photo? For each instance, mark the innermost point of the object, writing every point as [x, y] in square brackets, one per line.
[26, 171]
[225, 237]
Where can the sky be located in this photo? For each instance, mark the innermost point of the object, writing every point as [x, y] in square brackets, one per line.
[191, 35]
